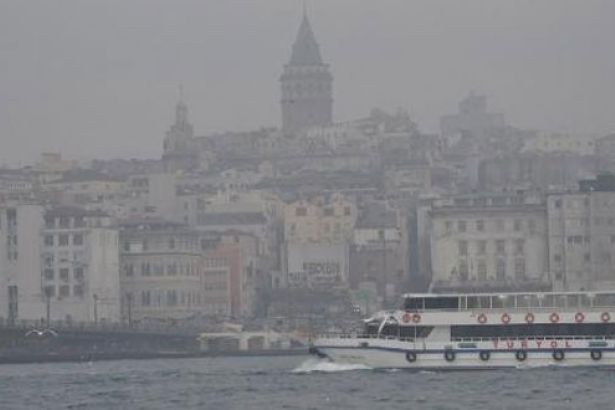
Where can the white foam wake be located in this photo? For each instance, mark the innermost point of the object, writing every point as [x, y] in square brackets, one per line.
[325, 366]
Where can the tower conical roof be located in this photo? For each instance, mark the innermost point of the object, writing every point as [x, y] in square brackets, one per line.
[305, 49]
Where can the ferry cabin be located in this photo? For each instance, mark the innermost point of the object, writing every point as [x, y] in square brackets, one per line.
[574, 328]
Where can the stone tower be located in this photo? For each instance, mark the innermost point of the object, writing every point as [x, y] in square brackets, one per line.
[178, 144]
[306, 84]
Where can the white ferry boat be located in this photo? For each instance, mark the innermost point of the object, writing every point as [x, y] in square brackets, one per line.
[482, 331]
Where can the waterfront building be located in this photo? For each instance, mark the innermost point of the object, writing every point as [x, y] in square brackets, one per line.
[582, 236]
[80, 265]
[491, 241]
[160, 270]
[379, 250]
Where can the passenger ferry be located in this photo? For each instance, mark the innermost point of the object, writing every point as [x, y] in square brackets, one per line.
[482, 331]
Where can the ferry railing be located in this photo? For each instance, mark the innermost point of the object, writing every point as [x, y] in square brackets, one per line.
[521, 338]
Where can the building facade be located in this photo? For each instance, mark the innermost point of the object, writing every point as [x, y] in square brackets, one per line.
[161, 266]
[481, 242]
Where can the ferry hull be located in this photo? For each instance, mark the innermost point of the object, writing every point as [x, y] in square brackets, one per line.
[385, 357]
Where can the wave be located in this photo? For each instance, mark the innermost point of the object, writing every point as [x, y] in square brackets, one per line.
[325, 366]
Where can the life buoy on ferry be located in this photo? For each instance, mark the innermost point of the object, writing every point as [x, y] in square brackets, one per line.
[558, 355]
[482, 318]
[449, 355]
[407, 317]
[484, 355]
[411, 357]
[596, 355]
[521, 355]
[505, 318]
[529, 318]
[554, 317]
[605, 317]
[579, 317]
[416, 318]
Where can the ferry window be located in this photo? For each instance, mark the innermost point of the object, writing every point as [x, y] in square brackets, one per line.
[572, 301]
[559, 300]
[604, 300]
[479, 302]
[414, 304]
[585, 301]
[442, 303]
[548, 301]
[497, 301]
[472, 302]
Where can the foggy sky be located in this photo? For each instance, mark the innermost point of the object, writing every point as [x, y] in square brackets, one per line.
[100, 78]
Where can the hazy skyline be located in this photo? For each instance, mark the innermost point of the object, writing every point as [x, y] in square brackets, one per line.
[100, 78]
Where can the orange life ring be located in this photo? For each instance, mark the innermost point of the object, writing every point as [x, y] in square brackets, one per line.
[605, 317]
[406, 317]
[529, 318]
[416, 318]
[554, 317]
[482, 318]
[579, 317]
[505, 318]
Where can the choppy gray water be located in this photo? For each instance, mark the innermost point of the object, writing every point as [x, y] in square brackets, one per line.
[293, 383]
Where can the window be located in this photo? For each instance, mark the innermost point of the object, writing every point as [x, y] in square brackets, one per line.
[50, 291]
[48, 240]
[145, 244]
[557, 258]
[171, 298]
[531, 224]
[172, 269]
[64, 274]
[301, 211]
[172, 243]
[78, 239]
[463, 270]
[158, 269]
[461, 226]
[129, 269]
[145, 269]
[480, 225]
[63, 239]
[448, 226]
[64, 291]
[481, 270]
[328, 212]
[517, 225]
[482, 247]
[500, 246]
[48, 274]
[587, 257]
[78, 273]
[519, 268]
[79, 222]
[462, 247]
[50, 222]
[78, 291]
[519, 246]
[500, 271]
[64, 222]
[145, 298]
[347, 211]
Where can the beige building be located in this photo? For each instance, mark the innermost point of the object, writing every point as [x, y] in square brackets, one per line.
[320, 221]
[489, 242]
[160, 270]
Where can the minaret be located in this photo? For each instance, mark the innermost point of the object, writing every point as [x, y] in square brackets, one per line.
[178, 153]
[306, 84]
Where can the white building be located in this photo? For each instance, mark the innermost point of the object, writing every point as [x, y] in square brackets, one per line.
[80, 265]
[489, 242]
[551, 142]
[582, 239]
